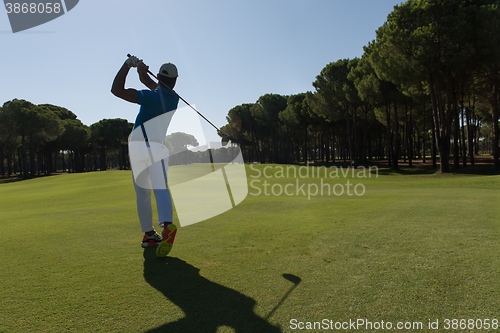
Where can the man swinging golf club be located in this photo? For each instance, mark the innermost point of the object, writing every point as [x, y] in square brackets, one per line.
[158, 103]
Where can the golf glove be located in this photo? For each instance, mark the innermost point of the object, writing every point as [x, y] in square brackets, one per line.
[133, 61]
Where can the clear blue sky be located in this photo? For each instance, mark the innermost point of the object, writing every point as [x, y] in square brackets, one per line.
[228, 52]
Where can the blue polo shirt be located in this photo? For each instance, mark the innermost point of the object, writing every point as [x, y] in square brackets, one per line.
[154, 103]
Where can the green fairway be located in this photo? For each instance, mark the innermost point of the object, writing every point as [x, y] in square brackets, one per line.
[410, 248]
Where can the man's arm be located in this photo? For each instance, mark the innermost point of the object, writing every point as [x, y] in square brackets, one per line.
[118, 87]
[142, 69]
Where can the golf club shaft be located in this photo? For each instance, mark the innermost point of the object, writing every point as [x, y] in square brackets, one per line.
[271, 313]
[295, 280]
[182, 99]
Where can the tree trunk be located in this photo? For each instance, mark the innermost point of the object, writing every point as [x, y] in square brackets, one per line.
[470, 140]
[456, 136]
[423, 140]
[2, 166]
[24, 155]
[464, 150]
[355, 148]
[495, 111]
[477, 126]
[349, 138]
[305, 157]
[32, 158]
[410, 141]
[9, 163]
[389, 135]
[102, 159]
[364, 153]
[396, 149]
[441, 123]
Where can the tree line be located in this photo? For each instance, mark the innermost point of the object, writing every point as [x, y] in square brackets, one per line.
[45, 138]
[427, 86]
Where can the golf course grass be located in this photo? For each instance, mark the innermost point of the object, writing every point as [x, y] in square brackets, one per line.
[404, 248]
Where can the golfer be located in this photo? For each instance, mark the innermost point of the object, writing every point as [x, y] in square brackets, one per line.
[148, 153]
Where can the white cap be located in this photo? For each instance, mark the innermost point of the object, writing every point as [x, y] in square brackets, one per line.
[168, 69]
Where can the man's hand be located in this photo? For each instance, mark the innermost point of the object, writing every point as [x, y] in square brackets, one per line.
[142, 70]
[133, 61]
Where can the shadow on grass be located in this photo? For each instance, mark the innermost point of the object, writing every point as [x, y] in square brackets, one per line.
[483, 166]
[14, 179]
[206, 304]
[10, 180]
[422, 171]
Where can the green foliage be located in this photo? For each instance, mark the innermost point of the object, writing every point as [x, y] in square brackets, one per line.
[267, 109]
[110, 133]
[9, 140]
[35, 125]
[178, 142]
[23, 117]
[330, 88]
[62, 113]
[297, 111]
[76, 135]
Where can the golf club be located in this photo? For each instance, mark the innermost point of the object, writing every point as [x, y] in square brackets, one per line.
[225, 137]
[295, 280]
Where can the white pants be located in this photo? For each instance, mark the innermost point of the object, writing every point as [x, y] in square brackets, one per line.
[154, 177]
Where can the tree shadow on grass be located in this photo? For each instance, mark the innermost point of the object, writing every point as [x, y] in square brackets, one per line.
[14, 179]
[483, 166]
[206, 304]
[419, 171]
